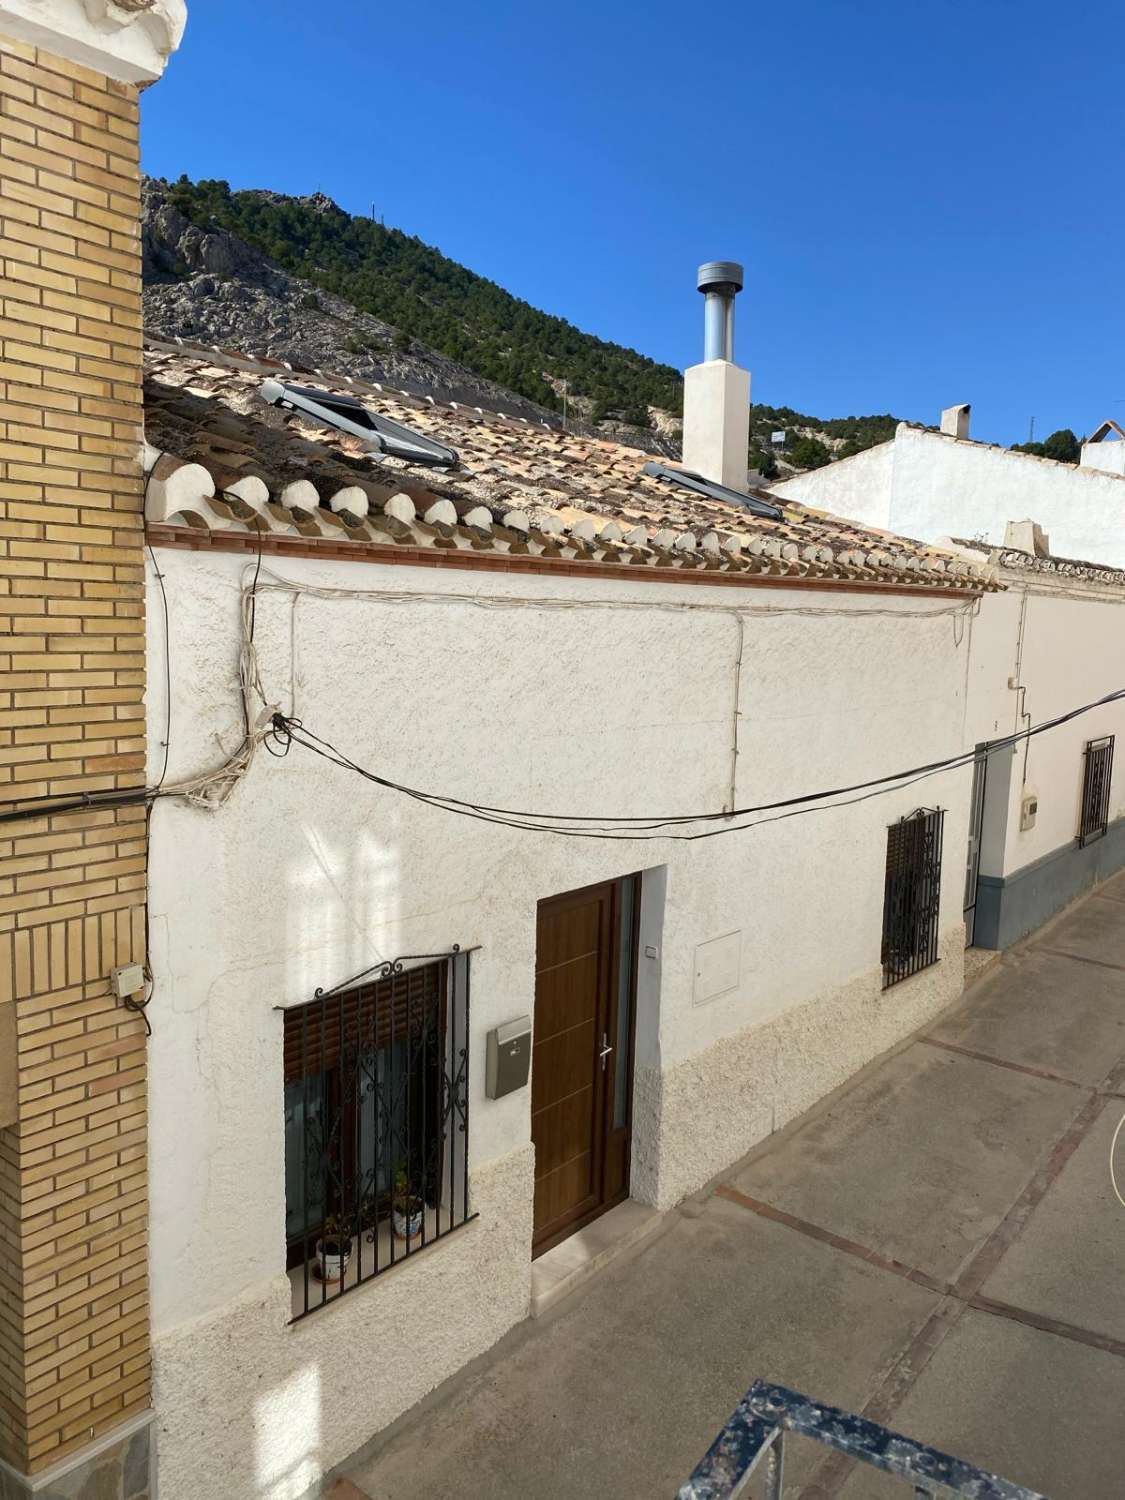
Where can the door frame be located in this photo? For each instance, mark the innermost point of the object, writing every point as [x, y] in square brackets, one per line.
[607, 1139]
[977, 794]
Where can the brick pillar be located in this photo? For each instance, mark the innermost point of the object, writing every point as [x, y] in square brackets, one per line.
[74, 1339]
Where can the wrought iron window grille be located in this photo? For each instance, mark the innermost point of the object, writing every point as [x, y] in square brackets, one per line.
[1094, 818]
[757, 1430]
[912, 894]
[376, 1122]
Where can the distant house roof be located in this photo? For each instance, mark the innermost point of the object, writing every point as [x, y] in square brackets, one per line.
[223, 465]
[1030, 562]
[1087, 471]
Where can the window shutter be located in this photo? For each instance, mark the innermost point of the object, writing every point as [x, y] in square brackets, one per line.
[364, 1019]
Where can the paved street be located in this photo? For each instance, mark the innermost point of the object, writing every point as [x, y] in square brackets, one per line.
[936, 1246]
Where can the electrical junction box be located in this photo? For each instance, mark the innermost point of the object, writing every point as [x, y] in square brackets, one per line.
[508, 1059]
[1029, 808]
[126, 981]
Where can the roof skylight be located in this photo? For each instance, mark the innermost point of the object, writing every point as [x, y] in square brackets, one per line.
[686, 480]
[346, 414]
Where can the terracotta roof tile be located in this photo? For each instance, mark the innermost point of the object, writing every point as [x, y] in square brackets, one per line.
[1030, 562]
[520, 486]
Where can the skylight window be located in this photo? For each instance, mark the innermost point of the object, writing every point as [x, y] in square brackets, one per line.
[346, 414]
[686, 480]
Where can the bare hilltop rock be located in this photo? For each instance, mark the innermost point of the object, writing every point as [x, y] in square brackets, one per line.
[210, 287]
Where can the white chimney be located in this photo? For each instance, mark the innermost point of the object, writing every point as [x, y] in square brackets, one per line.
[1027, 536]
[955, 421]
[717, 392]
[1105, 449]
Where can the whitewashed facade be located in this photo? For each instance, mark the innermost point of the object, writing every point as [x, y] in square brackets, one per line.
[593, 696]
[930, 484]
[1054, 640]
[1051, 642]
[552, 628]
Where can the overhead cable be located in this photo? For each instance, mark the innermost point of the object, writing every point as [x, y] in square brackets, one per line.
[288, 731]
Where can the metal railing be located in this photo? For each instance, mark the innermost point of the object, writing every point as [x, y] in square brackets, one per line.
[912, 894]
[376, 1122]
[1094, 820]
[756, 1432]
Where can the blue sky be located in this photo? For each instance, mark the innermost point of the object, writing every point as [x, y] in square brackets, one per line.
[923, 192]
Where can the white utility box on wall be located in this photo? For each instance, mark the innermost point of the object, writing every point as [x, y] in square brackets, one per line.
[717, 967]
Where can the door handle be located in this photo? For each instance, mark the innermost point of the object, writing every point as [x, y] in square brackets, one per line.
[606, 1049]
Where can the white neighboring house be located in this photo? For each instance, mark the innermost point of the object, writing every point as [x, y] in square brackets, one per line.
[546, 628]
[1055, 638]
[1047, 819]
[930, 484]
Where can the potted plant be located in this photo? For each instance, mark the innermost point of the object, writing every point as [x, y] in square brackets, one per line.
[334, 1248]
[407, 1207]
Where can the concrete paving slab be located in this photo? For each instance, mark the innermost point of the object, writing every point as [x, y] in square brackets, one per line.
[622, 1391]
[1069, 1261]
[1093, 930]
[1034, 1408]
[1045, 1011]
[921, 1160]
[1114, 887]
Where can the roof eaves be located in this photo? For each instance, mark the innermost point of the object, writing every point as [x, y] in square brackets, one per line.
[183, 492]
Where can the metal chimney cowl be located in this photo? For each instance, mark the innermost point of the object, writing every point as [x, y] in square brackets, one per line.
[720, 281]
[717, 392]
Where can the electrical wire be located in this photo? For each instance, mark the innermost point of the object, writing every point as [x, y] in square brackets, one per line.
[287, 731]
[210, 789]
[140, 1007]
[167, 668]
[278, 732]
[274, 583]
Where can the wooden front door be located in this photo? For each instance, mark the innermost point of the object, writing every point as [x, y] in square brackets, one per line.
[581, 1069]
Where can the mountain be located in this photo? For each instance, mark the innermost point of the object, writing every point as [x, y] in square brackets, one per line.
[302, 280]
[210, 286]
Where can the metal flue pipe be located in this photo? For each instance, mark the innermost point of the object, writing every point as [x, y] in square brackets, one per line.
[720, 281]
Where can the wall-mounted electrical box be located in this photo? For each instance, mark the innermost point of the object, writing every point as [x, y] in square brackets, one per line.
[716, 967]
[1029, 809]
[508, 1058]
[128, 980]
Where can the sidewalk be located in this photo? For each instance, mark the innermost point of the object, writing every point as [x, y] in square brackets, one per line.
[936, 1246]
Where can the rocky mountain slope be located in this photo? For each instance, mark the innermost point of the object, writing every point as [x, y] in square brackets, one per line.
[299, 279]
[211, 287]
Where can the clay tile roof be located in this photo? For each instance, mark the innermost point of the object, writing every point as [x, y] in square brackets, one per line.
[221, 459]
[1030, 562]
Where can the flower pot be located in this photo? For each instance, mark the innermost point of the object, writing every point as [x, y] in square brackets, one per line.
[333, 1257]
[407, 1218]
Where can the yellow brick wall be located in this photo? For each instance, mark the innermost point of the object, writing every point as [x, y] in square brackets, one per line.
[74, 1352]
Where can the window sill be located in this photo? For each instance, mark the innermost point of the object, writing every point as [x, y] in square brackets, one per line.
[372, 1258]
[897, 984]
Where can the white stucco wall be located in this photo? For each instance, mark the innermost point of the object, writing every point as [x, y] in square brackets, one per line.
[1066, 646]
[309, 874]
[1108, 454]
[858, 487]
[928, 485]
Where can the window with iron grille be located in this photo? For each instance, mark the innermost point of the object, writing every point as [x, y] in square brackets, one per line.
[1094, 819]
[912, 894]
[376, 1123]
